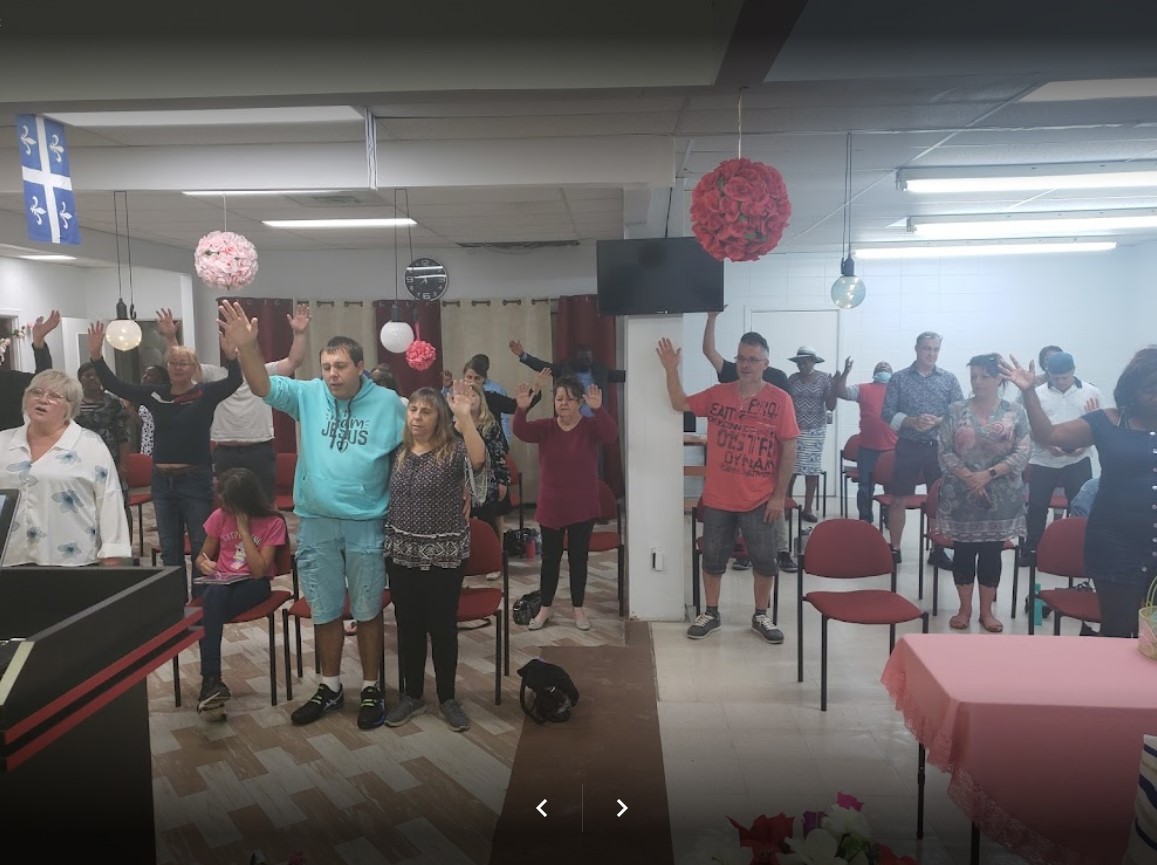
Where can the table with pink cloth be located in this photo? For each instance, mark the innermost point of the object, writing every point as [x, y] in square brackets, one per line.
[1042, 735]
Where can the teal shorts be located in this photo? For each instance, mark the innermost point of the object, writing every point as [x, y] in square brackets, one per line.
[335, 556]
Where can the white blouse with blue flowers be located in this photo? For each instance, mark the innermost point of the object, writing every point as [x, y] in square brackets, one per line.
[69, 513]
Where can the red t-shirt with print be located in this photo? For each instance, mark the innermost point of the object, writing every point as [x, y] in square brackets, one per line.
[744, 437]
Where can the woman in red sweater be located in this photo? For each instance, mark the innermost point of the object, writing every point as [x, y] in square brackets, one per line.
[568, 482]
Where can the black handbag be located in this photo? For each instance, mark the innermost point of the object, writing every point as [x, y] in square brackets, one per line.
[547, 692]
[527, 607]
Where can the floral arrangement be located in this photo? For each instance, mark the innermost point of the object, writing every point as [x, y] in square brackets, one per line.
[839, 836]
[421, 354]
[740, 209]
[225, 260]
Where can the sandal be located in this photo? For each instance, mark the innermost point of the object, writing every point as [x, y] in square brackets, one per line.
[992, 625]
[351, 629]
[959, 623]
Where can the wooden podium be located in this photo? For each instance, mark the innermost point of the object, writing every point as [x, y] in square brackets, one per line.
[76, 648]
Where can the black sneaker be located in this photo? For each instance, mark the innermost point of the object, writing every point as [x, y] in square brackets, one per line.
[214, 692]
[762, 625]
[455, 717]
[703, 625]
[372, 712]
[741, 565]
[787, 563]
[321, 703]
[896, 556]
[406, 709]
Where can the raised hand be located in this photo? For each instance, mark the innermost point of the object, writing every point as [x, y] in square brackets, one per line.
[668, 355]
[95, 338]
[44, 326]
[524, 396]
[228, 350]
[541, 380]
[1011, 370]
[299, 321]
[847, 367]
[516, 348]
[459, 400]
[238, 330]
[166, 324]
[594, 396]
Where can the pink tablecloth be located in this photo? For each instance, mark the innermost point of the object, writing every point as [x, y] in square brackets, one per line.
[1040, 734]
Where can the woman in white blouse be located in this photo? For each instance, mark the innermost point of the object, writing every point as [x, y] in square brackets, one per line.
[70, 511]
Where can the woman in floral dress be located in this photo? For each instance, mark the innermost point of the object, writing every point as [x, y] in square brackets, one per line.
[984, 447]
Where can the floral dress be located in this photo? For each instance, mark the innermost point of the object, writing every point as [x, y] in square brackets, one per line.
[979, 444]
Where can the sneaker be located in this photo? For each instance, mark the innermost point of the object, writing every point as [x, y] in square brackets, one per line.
[762, 625]
[787, 563]
[741, 565]
[940, 559]
[406, 709]
[214, 692]
[321, 703]
[703, 625]
[896, 556]
[372, 712]
[455, 717]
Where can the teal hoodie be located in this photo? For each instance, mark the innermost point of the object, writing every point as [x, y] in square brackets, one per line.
[343, 469]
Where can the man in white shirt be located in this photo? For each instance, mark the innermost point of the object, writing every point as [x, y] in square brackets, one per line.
[1063, 397]
[243, 424]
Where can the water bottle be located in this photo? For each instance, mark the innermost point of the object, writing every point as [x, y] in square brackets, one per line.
[1037, 606]
[530, 550]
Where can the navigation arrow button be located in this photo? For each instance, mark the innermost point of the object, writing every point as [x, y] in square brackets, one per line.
[539, 808]
[624, 806]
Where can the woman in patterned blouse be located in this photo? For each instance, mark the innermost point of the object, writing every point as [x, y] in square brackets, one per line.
[496, 448]
[70, 511]
[427, 541]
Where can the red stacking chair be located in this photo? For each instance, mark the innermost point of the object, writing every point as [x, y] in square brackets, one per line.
[848, 470]
[1061, 552]
[283, 482]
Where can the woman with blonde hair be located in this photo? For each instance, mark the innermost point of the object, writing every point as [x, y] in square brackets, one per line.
[71, 511]
[427, 542]
[496, 448]
[182, 412]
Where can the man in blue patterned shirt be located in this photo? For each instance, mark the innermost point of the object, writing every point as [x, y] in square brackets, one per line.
[915, 403]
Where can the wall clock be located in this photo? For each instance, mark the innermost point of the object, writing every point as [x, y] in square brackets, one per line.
[426, 279]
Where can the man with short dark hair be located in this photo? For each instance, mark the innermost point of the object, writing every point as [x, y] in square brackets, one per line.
[915, 403]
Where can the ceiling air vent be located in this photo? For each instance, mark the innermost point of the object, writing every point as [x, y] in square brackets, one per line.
[351, 198]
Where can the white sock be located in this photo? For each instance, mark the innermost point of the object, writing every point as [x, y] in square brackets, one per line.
[332, 682]
[369, 683]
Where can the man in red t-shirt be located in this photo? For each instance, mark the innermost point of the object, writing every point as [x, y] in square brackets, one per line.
[751, 433]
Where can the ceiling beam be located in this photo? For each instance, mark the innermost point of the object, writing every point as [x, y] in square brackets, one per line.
[761, 29]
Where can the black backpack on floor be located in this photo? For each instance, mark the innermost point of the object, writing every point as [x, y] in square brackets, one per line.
[547, 692]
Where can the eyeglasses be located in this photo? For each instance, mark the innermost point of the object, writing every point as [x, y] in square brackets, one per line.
[180, 363]
[49, 395]
[745, 359]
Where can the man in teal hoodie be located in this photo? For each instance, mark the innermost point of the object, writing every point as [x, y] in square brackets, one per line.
[349, 429]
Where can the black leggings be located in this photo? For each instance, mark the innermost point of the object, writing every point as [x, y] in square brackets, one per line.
[426, 602]
[578, 548]
[971, 562]
[1119, 605]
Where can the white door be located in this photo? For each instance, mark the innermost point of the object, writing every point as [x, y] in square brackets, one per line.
[785, 331]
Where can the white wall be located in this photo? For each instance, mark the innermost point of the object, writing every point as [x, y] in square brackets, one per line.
[30, 289]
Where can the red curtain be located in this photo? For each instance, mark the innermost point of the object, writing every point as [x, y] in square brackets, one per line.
[579, 323]
[274, 336]
[426, 320]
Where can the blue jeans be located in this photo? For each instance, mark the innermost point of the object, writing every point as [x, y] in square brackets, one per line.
[219, 605]
[182, 500]
[865, 462]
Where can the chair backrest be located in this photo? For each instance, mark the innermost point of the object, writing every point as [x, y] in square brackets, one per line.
[485, 550]
[283, 480]
[1061, 549]
[512, 467]
[846, 548]
[851, 451]
[139, 470]
[608, 503]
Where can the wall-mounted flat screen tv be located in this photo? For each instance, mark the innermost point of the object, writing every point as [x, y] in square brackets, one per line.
[654, 276]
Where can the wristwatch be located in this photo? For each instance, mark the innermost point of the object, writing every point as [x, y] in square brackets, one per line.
[992, 473]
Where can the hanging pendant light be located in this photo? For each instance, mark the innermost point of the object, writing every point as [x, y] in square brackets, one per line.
[396, 335]
[849, 290]
[123, 333]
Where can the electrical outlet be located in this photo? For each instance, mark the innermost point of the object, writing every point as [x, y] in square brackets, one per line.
[656, 559]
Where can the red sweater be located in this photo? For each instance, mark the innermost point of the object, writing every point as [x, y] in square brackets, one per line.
[568, 465]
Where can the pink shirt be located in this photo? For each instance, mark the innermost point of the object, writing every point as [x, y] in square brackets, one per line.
[744, 438]
[266, 531]
[568, 465]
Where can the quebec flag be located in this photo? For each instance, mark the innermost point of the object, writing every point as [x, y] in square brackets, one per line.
[49, 206]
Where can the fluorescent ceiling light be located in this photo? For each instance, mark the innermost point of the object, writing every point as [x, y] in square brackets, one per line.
[211, 117]
[1101, 88]
[978, 249]
[48, 257]
[1065, 224]
[338, 223]
[217, 193]
[1029, 178]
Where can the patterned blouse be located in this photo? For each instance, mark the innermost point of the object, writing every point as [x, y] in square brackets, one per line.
[496, 450]
[979, 444]
[69, 513]
[108, 420]
[811, 412]
[425, 527]
[148, 426]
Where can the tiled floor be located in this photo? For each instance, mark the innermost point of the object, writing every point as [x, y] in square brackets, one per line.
[740, 736]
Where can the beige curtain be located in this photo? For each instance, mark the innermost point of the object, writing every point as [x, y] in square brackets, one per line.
[487, 327]
[330, 318]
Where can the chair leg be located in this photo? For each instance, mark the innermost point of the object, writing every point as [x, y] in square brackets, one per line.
[824, 500]
[497, 664]
[141, 529]
[924, 621]
[891, 638]
[176, 682]
[1015, 577]
[824, 664]
[1056, 623]
[799, 625]
[505, 617]
[1030, 595]
[272, 660]
[622, 567]
[285, 647]
[775, 600]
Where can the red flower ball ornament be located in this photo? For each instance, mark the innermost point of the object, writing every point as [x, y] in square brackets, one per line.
[740, 209]
[421, 355]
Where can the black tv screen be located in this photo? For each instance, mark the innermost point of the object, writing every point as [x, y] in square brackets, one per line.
[657, 275]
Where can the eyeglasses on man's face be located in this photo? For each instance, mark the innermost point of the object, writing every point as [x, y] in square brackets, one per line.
[748, 359]
[48, 395]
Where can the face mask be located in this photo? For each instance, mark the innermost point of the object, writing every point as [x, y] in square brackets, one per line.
[882, 377]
